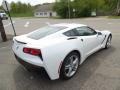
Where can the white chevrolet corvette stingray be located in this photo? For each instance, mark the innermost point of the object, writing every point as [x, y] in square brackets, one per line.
[59, 48]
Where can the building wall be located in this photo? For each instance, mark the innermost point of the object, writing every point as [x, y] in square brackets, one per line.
[45, 14]
[54, 14]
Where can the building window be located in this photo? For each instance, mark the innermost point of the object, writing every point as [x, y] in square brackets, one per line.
[37, 13]
[45, 13]
[41, 13]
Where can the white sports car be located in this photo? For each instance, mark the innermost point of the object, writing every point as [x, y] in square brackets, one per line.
[59, 48]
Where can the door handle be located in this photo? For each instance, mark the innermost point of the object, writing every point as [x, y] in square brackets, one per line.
[82, 40]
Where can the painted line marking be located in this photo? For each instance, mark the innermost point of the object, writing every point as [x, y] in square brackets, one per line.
[109, 23]
[3, 47]
[8, 24]
[48, 23]
[27, 24]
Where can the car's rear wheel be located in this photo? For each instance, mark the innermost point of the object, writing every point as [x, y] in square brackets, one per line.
[70, 65]
[108, 43]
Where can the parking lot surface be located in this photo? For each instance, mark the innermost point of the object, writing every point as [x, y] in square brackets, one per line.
[101, 71]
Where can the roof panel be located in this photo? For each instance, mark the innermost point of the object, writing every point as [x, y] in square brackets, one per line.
[45, 7]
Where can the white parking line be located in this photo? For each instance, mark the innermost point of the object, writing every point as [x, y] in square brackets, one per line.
[109, 23]
[8, 24]
[3, 47]
[27, 24]
[47, 23]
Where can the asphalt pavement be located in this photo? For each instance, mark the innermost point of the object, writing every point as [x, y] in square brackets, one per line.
[101, 71]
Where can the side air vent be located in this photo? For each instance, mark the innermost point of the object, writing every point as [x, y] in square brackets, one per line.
[71, 38]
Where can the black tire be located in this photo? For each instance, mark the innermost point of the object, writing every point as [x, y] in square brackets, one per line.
[63, 74]
[109, 37]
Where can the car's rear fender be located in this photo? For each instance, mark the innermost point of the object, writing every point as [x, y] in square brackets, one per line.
[54, 55]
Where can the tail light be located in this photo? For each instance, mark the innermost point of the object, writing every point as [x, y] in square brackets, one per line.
[32, 51]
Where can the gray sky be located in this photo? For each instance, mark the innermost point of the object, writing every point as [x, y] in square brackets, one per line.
[32, 2]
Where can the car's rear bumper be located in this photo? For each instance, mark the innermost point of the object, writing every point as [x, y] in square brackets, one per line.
[32, 67]
[27, 64]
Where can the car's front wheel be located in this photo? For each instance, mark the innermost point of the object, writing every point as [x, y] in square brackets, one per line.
[70, 65]
[108, 43]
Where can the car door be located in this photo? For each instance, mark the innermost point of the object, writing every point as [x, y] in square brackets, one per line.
[89, 39]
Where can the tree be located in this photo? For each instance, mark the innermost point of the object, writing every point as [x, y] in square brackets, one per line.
[114, 6]
[14, 7]
[21, 9]
[61, 7]
[118, 8]
[82, 8]
[1, 7]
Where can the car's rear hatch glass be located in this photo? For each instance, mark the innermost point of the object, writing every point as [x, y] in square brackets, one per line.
[45, 31]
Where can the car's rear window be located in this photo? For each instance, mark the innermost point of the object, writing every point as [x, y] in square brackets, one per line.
[45, 31]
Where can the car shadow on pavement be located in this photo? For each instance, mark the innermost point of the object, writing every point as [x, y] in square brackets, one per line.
[25, 80]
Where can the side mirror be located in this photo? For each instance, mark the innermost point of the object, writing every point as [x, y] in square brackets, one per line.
[99, 33]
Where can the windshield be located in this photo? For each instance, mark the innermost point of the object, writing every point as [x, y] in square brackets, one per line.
[45, 31]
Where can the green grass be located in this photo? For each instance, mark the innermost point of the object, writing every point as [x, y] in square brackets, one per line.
[22, 14]
[114, 17]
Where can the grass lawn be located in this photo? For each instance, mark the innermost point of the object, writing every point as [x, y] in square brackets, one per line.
[114, 17]
[22, 15]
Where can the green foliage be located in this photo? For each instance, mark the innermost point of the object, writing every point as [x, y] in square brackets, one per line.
[21, 9]
[114, 17]
[1, 8]
[114, 6]
[62, 8]
[83, 8]
[111, 3]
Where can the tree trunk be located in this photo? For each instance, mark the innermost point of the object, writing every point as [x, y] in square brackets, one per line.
[118, 8]
[2, 31]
